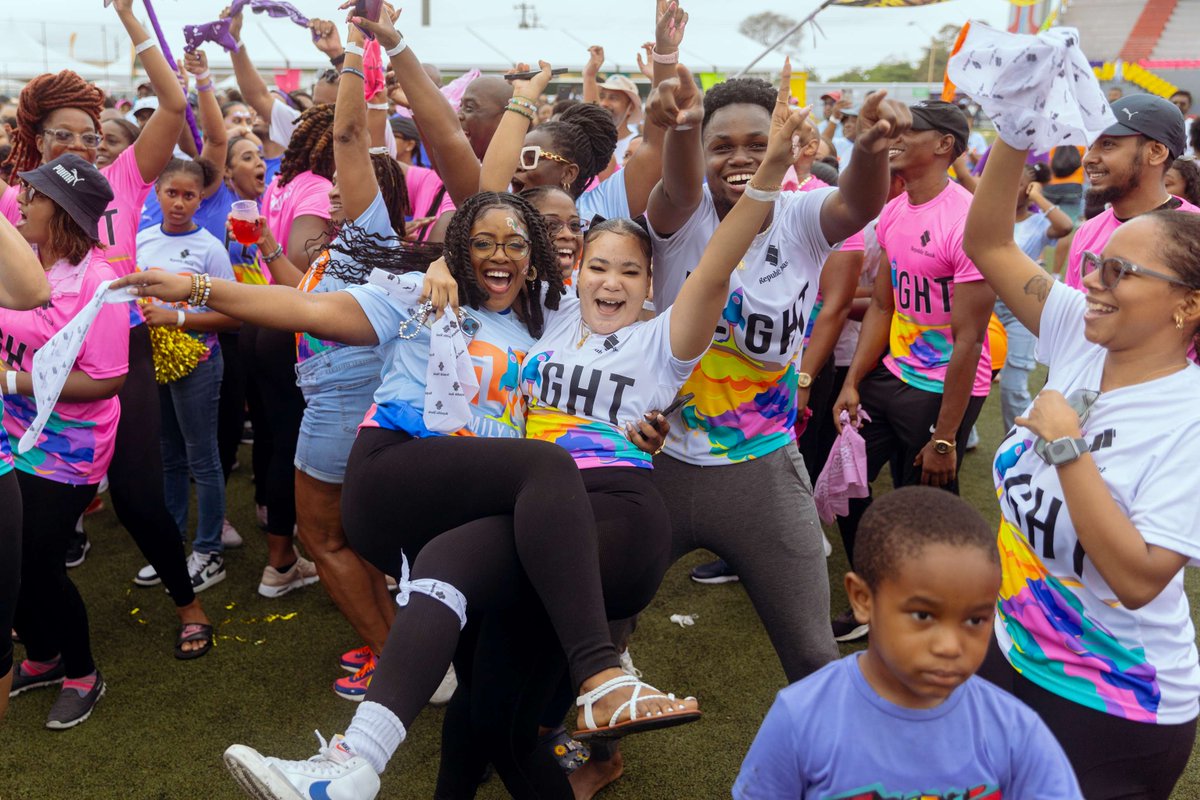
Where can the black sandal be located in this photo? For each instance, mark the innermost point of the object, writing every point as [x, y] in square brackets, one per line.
[193, 632]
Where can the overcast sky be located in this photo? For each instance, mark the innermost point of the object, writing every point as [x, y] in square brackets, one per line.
[854, 37]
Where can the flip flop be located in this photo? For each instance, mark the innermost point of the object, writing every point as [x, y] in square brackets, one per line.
[193, 632]
[633, 723]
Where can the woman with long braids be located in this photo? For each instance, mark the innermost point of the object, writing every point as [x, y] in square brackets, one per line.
[59, 113]
[61, 202]
[296, 212]
[23, 287]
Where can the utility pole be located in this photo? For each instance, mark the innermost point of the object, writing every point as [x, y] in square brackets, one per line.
[525, 8]
[425, 13]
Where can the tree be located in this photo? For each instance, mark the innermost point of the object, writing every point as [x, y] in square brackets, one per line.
[767, 27]
[895, 70]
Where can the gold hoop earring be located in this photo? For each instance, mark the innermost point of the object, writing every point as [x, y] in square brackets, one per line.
[531, 274]
[1179, 322]
[566, 187]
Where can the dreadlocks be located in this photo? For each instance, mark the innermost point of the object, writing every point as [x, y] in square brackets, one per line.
[541, 257]
[363, 252]
[311, 146]
[42, 95]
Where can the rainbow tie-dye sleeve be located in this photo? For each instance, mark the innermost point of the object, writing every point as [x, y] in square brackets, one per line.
[591, 443]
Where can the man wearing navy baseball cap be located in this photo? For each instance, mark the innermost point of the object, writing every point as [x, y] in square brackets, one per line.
[1126, 168]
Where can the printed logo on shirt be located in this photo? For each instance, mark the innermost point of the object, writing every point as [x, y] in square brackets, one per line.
[879, 792]
[185, 254]
[925, 239]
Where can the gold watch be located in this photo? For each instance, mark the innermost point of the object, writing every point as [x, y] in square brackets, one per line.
[804, 380]
[943, 447]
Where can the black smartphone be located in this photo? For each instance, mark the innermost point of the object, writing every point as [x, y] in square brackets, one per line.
[679, 401]
[525, 76]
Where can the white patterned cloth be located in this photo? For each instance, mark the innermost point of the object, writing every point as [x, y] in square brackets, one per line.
[1039, 91]
[53, 361]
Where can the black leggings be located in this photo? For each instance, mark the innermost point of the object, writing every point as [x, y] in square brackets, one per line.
[510, 674]
[51, 618]
[473, 513]
[270, 356]
[10, 563]
[1113, 758]
[135, 475]
[231, 408]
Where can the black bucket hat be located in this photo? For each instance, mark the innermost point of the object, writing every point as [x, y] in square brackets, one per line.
[76, 186]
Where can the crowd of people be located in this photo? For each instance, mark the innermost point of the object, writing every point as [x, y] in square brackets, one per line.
[504, 308]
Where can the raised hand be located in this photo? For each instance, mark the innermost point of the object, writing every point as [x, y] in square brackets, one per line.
[646, 65]
[670, 22]
[325, 36]
[195, 62]
[594, 62]
[788, 131]
[123, 6]
[676, 102]
[235, 28]
[881, 121]
[533, 88]
[383, 29]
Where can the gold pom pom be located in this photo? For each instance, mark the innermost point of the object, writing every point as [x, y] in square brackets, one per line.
[175, 353]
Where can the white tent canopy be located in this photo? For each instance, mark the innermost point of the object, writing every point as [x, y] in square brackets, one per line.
[24, 57]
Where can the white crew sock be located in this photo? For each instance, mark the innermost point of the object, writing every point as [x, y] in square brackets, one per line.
[375, 733]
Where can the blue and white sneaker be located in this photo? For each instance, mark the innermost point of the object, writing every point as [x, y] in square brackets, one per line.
[334, 773]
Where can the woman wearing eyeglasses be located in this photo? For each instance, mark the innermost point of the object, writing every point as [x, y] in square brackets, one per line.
[60, 113]
[563, 224]
[1098, 486]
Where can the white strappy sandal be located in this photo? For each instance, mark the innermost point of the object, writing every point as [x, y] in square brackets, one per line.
[633, 723]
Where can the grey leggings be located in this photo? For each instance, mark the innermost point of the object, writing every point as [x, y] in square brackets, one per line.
[759, 516]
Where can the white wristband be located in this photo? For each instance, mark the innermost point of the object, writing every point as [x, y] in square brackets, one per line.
[761, 195]
[664, 58]
[144, 46]
[378, 151]
[351, 47]
[377, 106]
[179, 318]
[398, 49]
[203, 76]
[10, 382]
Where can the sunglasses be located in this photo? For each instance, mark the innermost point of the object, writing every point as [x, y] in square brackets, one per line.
[575, 226]
[515, 248]
[66, 138]
[531, 155]
[1112, 269]
[28, 193]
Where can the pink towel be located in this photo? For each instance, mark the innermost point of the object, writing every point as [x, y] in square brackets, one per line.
[845, 473]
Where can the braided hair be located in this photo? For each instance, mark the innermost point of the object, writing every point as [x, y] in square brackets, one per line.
[541, 257]
[586, 134]
[311, 145]
[42, 95]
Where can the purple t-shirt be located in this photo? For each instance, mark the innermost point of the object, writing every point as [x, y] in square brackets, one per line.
[832, 737]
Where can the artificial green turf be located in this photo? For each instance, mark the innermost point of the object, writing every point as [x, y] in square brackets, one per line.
[159, 732]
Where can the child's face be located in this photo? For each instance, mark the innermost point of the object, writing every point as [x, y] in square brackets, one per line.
[931, 623]
[179, 195]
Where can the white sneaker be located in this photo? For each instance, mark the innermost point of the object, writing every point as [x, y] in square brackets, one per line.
[627, 665]
[206, 569]
[334, 773]
[446, 689]
[147, 576]
[276, 584]
[229, 535]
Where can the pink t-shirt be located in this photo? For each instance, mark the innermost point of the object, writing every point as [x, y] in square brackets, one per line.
[423, 186]
[306, 194]
[1093, 235]
[924, 247]
[76, 445]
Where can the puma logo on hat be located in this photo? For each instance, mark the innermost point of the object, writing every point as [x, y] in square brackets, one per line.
[71, 176]
[1129, 114]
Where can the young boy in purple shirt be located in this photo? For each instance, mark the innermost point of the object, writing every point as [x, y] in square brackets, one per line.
[907, 717]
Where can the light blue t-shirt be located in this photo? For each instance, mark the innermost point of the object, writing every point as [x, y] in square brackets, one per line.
[497, 346]
[832, 736]
[1032, 235]
[609, 199]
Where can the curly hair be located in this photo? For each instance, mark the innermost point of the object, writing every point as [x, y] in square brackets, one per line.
[457, 251]
[363, 251]
[311, 145]
[586, 134]
[752, 91]
[42, 95]
[1190, 173]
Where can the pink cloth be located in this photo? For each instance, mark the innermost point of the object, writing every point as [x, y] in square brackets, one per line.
[306, 194]
[924, 248]
[423, 187]
[373, 69]
[845, 474]
[117, 229]
[452, 91]
[1093, 235]
[76, 446]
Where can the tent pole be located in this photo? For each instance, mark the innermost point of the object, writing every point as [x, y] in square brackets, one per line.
[785, 37]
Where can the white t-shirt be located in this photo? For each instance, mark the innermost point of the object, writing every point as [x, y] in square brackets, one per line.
[582, 389]
[847, 343]
[1058, 622]
[622, 147]
[745, 385]
[1032, 235]
[283, 122]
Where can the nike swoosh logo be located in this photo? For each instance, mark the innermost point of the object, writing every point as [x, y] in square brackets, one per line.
[319, 790]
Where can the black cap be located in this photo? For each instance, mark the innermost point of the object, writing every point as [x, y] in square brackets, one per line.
[75, 185]
[1151, 116]
[938, 115]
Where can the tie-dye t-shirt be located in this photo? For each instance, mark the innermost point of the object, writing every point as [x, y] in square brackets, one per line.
[1093, 234]
[76, 445]
[6, 459]
[924, 249]
[1059, 623]
[582, 389]
[498, 343]
[831, 736]
[745, 385]
[374, 221]
[193, 253]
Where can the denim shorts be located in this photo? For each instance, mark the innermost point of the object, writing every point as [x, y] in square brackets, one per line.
[339, 386]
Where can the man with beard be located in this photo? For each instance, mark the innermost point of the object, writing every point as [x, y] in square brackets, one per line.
[1126, 167]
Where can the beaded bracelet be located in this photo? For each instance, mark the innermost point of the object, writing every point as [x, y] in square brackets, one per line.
[274, 254]
[518, 110]
[207, 289]
[523, 101]
[194, 295]
[354, 71]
